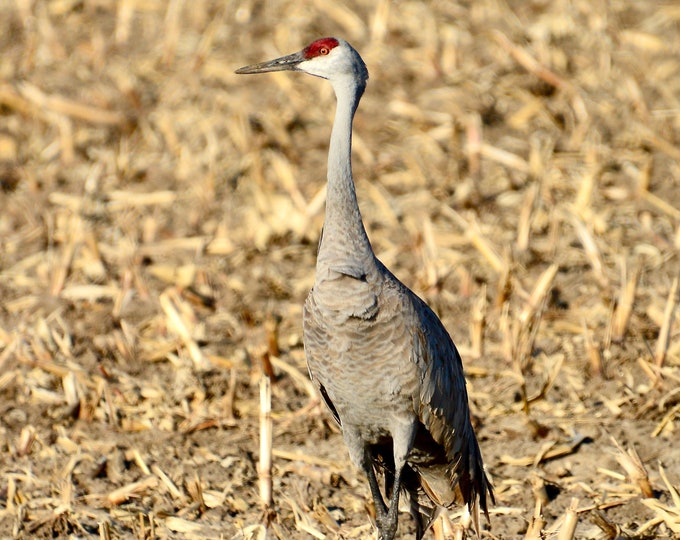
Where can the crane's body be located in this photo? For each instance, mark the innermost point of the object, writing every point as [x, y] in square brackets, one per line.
[381, 359]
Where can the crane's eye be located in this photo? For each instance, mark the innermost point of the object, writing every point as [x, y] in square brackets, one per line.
[324, 51]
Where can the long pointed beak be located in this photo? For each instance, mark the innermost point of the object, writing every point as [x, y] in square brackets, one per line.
[285, 63]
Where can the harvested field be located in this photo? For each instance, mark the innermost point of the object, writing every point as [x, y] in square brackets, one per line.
[517, 165]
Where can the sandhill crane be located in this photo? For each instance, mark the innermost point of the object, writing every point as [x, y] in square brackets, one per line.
[380, 358]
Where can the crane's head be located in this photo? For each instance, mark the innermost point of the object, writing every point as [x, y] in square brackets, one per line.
[329, 58]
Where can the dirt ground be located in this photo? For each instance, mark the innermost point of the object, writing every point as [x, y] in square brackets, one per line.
[517, 165]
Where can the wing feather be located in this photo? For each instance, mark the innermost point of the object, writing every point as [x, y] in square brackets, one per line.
[445, 413]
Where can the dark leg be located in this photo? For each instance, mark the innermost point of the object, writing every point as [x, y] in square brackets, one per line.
[387, 525]
[403, 433]
[380, 508]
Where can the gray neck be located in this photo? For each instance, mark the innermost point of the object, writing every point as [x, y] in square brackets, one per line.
[344, 242]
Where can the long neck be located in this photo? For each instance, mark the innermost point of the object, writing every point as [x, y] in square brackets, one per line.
[344, 241]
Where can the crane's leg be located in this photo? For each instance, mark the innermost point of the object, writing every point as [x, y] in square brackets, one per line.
[419, 513]
[385, 518]
[360, 454]
[403, 434]
[380, 508]
[387, 526]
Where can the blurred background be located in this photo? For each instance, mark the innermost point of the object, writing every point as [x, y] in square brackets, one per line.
[516, 165]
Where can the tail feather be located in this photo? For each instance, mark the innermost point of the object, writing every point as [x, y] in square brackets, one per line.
[448, 478]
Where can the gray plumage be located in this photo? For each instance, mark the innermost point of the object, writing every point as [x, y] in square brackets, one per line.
[381, 359]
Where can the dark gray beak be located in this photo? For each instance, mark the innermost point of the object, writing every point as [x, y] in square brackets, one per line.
[285, 63]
